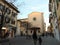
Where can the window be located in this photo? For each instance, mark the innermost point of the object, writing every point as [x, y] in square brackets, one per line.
[7, 19]
[12, 21]
[55, 14]
[34, 19]
[57, 5]
[8, 11]
[1, 7]
[24, 24]
[26, 31]
[31, 31]
[14, 14]
[59, 17]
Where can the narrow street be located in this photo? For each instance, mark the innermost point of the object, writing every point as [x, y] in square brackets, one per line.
[21, 18]
[24, 41]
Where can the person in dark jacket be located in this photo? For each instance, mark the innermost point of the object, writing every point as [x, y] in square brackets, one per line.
[40, 40]
[34, 37]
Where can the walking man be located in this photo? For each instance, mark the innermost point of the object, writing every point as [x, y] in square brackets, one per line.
[40, 40]
[34, 37]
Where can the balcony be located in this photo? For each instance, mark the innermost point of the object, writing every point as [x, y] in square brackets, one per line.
[50, 7]
[50, 17]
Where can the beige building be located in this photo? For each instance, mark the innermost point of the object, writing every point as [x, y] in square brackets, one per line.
[8, 17]
[37, 20]
[23, 26]
[34, 20]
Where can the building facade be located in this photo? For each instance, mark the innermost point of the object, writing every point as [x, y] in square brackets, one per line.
[37, 20]
[8, 17]
[18, 28]
[34, 20]
[24, 26]
[54, 17]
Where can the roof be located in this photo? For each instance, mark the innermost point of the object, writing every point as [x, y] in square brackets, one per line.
[23, 19]
[36, 12]
[11, 5]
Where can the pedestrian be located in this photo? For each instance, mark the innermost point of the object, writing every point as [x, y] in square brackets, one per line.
[34, 37]
[40, 40]
[43, 34]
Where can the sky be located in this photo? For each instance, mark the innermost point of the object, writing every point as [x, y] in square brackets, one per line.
[28, 6]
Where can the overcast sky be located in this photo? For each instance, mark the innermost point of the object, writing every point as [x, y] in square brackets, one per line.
[27, 6]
